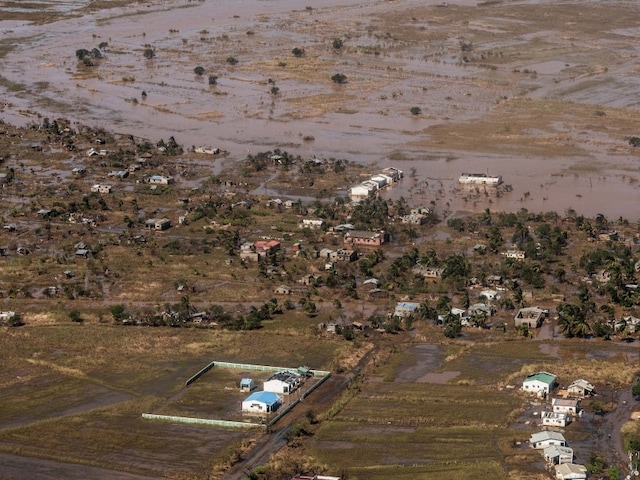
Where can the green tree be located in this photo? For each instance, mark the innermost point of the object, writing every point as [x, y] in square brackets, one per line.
[338, 44]
[119, 313]
[232, 60]
[75, 316]
[199, 71]
[149, 53]
[213, 80]
[416, 111]
[635, 390]
[298, 52]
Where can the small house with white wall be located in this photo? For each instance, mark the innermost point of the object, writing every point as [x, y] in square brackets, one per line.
[540, 383]
[580, 388]
[541, 440]
[566, 405]
[554, 419]
[261, 402]
[284, 382]
[570, 471]
[557, 455]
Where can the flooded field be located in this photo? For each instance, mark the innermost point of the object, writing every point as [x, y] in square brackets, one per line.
[534, 92]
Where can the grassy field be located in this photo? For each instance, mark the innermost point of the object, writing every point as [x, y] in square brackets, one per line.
[76, 392]
[464, 429]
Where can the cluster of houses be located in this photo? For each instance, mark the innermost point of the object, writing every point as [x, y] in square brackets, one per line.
[269, 399]
[370, 187]
[557, 454]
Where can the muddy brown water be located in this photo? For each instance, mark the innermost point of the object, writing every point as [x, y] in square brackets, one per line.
[365, 120]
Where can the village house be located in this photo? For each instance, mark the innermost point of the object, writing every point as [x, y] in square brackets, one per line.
[363, 190]
[580, 388]
[92, 152]
[314, 477]
[479, 179]
[531, 317]
[285, 382]
[361, 238]
[160, 180]
[414, 219]
[282, 290]
[494, 280]
[428, 272]
[261, 402]
[553, 419]
[540, 383]
[247, 385]
[490, 295]
[7, 316]
[118, 174]
[570, 471]
[481, 309]
[312, 224]
[343, 255]
[405, 309]
[207, 150]
[157, 224]
[78, 171]
[566, 405]
[541, 440]
[248, 252]
[515, 254]
[100, 188]
[557, 455]
[308, 279]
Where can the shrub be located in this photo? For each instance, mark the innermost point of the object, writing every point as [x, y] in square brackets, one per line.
[634, 141]
[337, 44]
[75, 316]
[416, 111]
[149, 53]
[339, 78]
[298, 52]
[198, 71]
[213, 79]
[232, 60]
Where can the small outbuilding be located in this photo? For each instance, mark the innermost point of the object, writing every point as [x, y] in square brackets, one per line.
[554, 419]
[581, 388]
[261, 402]
[247, 385]
[557, 455]
[565, 405]
[571, 471]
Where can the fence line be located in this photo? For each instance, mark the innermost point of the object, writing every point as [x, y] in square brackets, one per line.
[317, 384]
[199, 374]
[202, 421]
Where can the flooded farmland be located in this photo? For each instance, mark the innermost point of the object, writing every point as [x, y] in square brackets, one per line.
[533, 92]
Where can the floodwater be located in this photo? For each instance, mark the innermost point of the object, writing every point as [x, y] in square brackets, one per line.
[396, 55]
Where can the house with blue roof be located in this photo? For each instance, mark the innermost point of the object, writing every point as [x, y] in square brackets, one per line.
[406, 309]
[261, 402]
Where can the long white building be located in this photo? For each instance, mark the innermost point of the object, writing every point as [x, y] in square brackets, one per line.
[479, 179]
